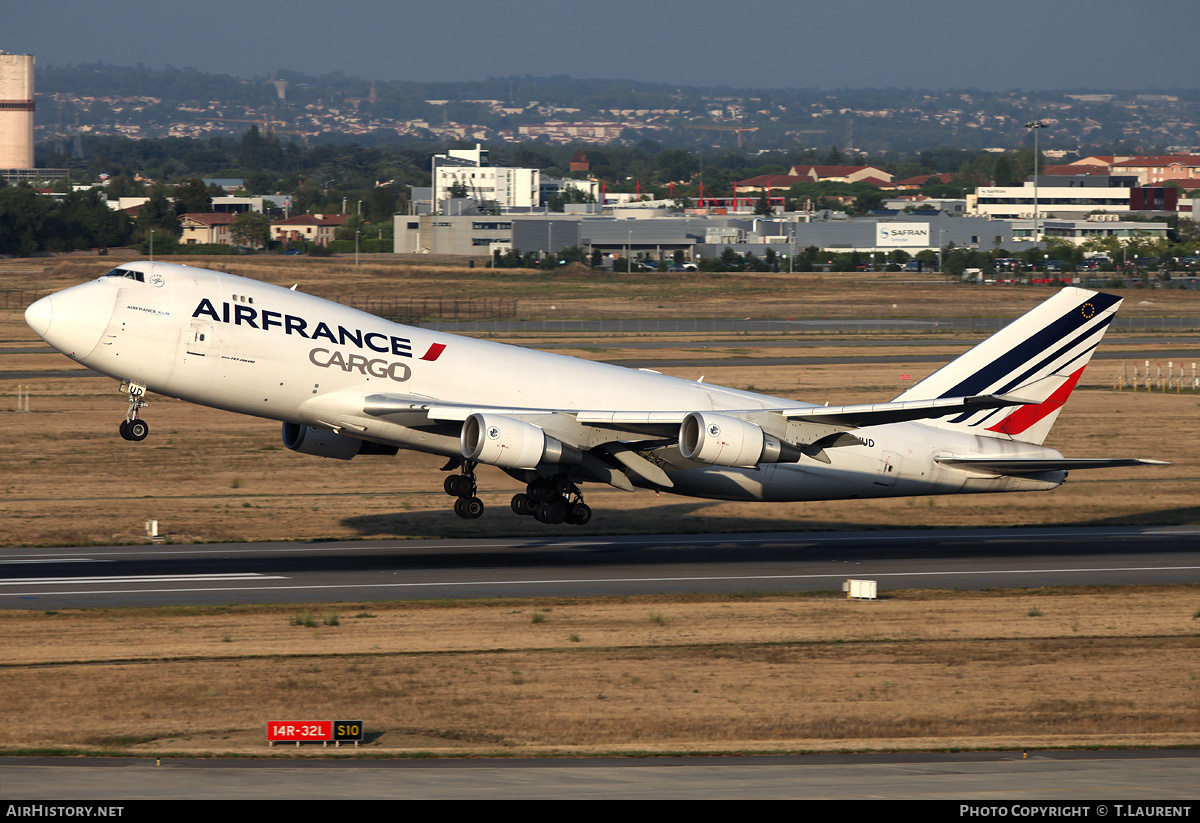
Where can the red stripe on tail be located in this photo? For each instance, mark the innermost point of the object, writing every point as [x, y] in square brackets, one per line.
[1026, 416]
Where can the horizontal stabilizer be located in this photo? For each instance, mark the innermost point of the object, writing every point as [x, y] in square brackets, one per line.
[1034, 465]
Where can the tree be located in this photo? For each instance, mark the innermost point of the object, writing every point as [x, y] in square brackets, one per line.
[1002, 172]
[192, 196]
[250, 228]
[763, 206]
[868, 200]
[158, 214]
[731, 260]
[570, 194]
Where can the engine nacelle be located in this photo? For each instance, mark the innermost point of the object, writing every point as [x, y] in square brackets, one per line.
[511, 444]
[721, 440]
[322, 443]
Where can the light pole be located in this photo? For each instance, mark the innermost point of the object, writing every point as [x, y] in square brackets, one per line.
[1033, 126]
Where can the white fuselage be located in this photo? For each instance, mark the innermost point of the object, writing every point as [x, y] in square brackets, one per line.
[253, 348]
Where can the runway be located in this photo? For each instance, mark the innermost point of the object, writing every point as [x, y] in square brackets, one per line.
[151, 575]
[1043, 780]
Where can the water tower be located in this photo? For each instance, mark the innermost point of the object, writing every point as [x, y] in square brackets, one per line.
[16, 111]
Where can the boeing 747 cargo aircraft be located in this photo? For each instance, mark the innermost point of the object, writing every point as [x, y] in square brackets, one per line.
[346, 383]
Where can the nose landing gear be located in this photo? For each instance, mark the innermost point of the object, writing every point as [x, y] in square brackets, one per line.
[131, 427]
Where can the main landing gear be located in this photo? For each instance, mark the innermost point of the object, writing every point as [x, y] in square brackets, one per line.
[550, 500]
[131, 427]
[462, 486]
[553, 500]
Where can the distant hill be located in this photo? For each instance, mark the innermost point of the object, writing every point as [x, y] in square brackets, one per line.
[137, 101]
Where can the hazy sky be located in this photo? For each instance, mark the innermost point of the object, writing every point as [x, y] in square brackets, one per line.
[1001, 44]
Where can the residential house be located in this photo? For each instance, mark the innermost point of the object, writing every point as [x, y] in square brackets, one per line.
[211, 228]
[309, 228]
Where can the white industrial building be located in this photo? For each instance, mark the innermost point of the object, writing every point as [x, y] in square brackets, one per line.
[1072, 197]
[507, 188]
[1012, 202]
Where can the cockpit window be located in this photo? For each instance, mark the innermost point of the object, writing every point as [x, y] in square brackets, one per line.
[128, 273]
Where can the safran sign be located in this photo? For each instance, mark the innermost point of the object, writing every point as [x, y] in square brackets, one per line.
[314, 731]
[902, 235]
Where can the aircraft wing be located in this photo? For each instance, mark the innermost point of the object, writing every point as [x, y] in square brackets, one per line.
[1021, 465]
[874, 414]
[658, 422]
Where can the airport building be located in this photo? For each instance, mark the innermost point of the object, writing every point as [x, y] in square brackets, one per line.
[470, 171]
[1100, 225]
[1072, 197]
[657, 236]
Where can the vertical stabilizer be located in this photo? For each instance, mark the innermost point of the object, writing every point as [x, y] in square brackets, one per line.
[1039, 356]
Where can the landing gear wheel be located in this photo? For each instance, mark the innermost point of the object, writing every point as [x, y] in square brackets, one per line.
[579, 514]
[523, 504]
[552, 513]
[542, 490]
[461, 485]
[468, 508]
[132, 428]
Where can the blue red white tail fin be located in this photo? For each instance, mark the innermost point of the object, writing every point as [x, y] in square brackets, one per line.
[1040, 356]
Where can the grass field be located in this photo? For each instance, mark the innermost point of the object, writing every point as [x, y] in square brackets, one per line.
[916, 670]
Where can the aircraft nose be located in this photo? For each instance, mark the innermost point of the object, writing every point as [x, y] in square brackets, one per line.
[73, 320]
[39, 314]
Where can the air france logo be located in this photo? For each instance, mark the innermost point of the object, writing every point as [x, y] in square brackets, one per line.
[265, 320]
[249, 316]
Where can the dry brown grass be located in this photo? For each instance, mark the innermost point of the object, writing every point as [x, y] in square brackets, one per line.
[918, 669]
[649, 295]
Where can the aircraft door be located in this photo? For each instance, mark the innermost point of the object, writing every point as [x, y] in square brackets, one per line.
[889, 468]
[199, 337]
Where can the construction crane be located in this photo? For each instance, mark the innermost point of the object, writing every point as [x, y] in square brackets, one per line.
[738, 129]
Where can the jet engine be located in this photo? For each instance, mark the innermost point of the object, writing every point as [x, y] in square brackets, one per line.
[721, 440]
[512, 444]
[308, 440]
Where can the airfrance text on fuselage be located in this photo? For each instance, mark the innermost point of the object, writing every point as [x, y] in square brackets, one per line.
[248, 316]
